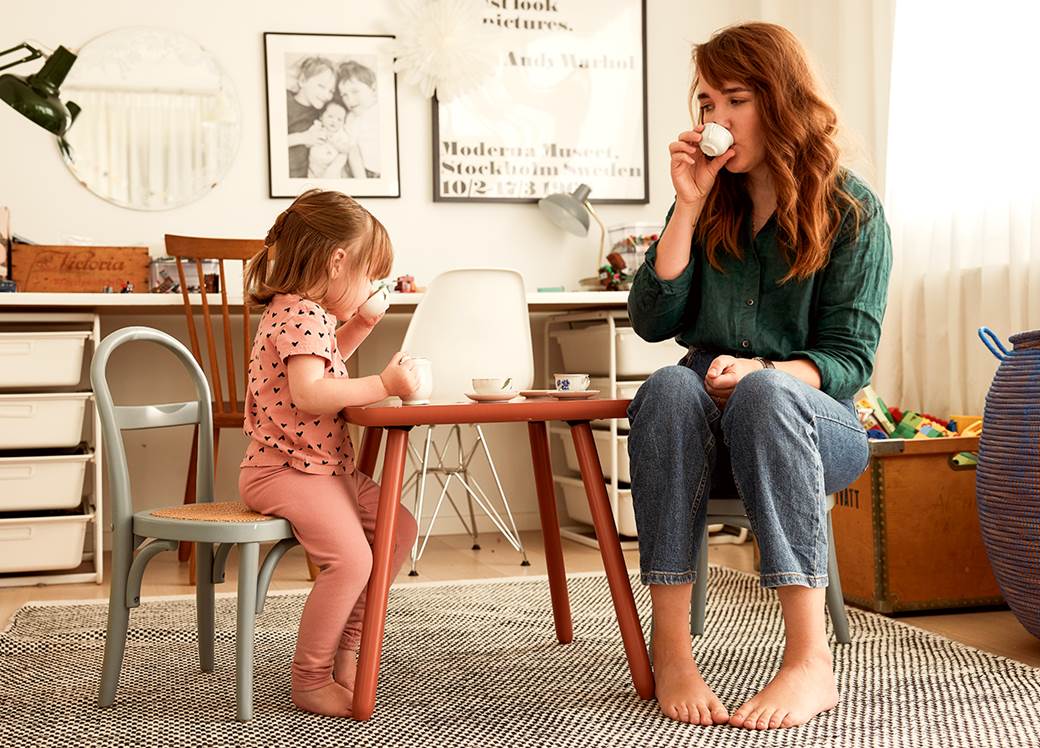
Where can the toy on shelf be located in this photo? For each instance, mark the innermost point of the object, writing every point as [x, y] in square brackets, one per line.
[884, 422]
[405, 284]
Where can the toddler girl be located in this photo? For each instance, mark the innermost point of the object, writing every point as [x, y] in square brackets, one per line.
[316, 268]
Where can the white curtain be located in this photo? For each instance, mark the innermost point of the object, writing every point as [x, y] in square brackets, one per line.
[962, 197]
[149, 149]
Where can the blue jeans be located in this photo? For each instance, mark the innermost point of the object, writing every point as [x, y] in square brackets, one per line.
[778, 443]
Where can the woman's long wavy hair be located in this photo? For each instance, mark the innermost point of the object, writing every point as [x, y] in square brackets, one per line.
[298, 249]
[800, 129]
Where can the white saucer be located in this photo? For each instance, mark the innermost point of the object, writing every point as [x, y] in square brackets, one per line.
[573, 394]
[494, 397]
[531, 394]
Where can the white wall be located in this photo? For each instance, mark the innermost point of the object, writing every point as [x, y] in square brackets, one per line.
[847, 38]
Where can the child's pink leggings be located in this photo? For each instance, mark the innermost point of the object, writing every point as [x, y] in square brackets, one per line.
[334, 518]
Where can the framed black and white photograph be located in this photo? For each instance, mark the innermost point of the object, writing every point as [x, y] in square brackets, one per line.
[331, 114]
[565, 106]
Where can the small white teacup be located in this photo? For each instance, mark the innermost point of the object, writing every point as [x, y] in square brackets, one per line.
[715, 140]
[377, 303]
[571, 382]
[491, 385]
[424, 368]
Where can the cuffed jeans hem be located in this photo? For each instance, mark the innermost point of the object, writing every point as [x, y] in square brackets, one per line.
[789, 578]
[667, 577]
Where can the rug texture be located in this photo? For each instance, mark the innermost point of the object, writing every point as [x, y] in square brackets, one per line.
[477, 664]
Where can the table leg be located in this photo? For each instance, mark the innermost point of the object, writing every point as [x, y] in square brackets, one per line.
[543, 481]
[613, 560]
[379, 582]
[370, 444]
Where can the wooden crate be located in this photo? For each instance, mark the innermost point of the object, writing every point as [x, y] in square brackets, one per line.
[42, 267]
[907, 531]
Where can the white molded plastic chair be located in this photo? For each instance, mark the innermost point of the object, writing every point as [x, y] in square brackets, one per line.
[471, 322]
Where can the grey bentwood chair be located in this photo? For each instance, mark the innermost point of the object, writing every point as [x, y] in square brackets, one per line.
[724, 511]
[139, 537]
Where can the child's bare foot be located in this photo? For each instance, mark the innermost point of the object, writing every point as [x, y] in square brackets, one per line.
[681, 692]
[803, 688]
[345, 668]
[332, 700]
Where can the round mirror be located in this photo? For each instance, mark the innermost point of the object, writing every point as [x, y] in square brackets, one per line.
[160, 121]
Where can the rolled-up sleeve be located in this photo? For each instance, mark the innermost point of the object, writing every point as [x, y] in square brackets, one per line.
[850, 307]
[656, 307]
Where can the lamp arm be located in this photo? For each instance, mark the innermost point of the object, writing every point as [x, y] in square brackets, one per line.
[34, 54]
[602, 233]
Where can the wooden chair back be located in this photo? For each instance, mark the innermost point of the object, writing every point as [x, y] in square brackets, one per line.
[195, 249]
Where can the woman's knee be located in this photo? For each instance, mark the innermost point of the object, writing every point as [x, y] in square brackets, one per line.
[763, 397]
[673, 389]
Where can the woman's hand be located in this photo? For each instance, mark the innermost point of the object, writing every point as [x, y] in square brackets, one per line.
[724, 374]
[400, 377]
[693, 173]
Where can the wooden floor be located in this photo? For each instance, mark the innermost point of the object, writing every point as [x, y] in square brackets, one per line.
[450, 557]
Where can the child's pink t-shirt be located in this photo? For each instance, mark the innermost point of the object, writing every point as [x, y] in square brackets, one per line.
[280, 434]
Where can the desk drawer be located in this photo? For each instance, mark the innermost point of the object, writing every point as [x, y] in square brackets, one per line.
[37, 421]
[41, 359]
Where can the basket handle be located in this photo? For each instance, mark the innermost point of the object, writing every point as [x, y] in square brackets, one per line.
[984, 333]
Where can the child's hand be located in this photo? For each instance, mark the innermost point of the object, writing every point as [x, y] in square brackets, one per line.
[400, 377]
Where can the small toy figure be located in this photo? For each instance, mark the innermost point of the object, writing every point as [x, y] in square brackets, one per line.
[405, 284]
[128, 287]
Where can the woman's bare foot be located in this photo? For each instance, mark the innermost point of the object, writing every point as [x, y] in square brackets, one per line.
[681, 692]
[332, 700]
[345, 668]
[803, 688]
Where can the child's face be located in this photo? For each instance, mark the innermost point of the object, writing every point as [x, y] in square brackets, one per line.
[333, 118]
[347, 290]
[317, 90]
[355, 94]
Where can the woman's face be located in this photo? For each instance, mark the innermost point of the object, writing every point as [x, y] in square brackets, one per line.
[355, 94]
[317, 90]
[735, 108]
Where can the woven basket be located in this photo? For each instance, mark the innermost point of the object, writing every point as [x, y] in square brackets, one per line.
[1008, 477]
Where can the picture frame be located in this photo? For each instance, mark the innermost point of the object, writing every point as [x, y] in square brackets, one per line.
[331, 114]
[566, 105]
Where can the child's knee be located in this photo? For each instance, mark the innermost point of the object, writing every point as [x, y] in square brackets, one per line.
[353, 565]
[407, 528]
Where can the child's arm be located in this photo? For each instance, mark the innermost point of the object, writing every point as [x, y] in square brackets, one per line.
[356, 163]
[313, 392]
[352, 333]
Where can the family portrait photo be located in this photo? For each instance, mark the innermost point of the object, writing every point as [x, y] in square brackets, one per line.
[332, 114]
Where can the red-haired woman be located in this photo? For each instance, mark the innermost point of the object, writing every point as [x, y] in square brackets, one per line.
[773, 270]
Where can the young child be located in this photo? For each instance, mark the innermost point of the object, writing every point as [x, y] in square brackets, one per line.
[316, 268]
[338, 154]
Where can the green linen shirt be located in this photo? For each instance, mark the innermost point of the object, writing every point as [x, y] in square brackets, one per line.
[832, 318]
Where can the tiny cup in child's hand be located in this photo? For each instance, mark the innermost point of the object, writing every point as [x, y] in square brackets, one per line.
[377, 304]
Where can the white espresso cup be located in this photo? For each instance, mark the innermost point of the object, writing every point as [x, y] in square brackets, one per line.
[377, 303]
[571, 382]
[424, 369]
[715, 140]
[491, 385]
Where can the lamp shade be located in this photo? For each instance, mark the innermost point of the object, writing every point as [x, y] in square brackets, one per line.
[36, 96]
[568, 211]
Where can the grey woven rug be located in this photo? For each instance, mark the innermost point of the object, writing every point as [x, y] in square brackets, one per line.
[476, 664]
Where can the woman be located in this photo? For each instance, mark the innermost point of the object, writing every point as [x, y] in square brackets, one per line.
[773, 269]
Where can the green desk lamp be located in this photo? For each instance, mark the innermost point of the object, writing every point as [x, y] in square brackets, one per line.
[571, 213]
[36, 96]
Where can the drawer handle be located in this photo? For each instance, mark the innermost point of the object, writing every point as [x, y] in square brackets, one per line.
[16, 533]
[17, 411]
[15, 349]
[19, 472]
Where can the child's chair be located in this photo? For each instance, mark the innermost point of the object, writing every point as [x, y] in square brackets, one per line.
[139, 537]
[471, 322]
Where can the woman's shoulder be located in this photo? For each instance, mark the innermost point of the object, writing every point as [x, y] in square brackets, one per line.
[868, 206]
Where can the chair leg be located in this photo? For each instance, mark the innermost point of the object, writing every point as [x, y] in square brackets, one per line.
[118, 621]
[184, 552]
[248, 572]
[699, 598]
[835, 601]
[204, 605]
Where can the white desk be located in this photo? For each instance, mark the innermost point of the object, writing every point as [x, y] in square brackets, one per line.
[157, 303]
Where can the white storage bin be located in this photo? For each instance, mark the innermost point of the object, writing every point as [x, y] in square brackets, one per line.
[586, 350]
[46, 420]
[41, 359]
[48, 482]
[625, 391]
[578, 505]
[42, 543]
[602, 439]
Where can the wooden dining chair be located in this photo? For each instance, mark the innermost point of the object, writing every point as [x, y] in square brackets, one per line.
[228, 409]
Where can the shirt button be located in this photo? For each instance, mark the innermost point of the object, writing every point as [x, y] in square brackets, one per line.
[750, 302]
[745, 343]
